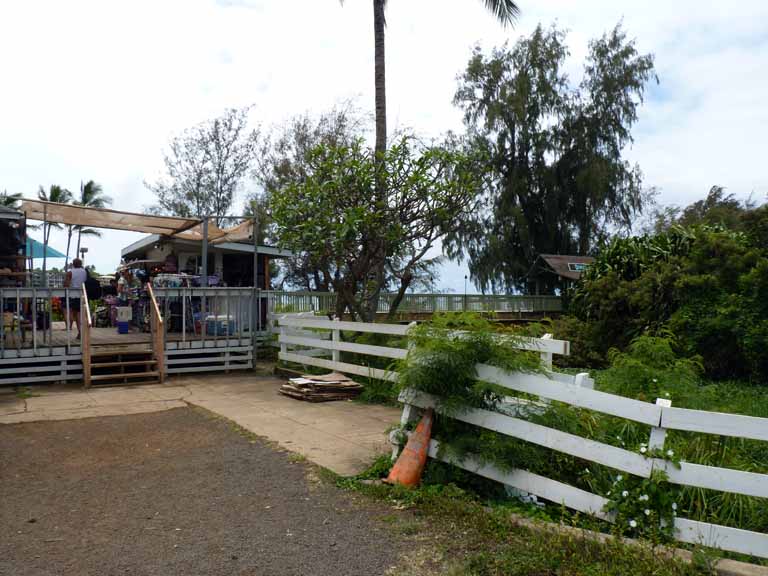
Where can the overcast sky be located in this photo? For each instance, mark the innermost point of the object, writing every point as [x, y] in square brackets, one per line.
[94, 89]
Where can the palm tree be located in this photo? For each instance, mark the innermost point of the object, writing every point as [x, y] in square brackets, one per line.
[9, 200]
[91, 196]
[506, 11]
[58, 195]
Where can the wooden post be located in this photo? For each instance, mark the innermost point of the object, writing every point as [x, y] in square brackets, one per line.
[158, 344]
[85, 336]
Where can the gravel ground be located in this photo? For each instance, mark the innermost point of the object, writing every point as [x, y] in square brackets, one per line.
[175, 492]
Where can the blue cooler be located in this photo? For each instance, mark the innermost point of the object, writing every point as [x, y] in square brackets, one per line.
[122, 327]
[220, 325]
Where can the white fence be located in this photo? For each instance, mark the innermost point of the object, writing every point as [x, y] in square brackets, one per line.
[575, 391]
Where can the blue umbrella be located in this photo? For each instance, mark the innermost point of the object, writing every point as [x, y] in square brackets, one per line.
[36, 249]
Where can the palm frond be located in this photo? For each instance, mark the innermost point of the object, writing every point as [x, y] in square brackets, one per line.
[9, 200]
[89, 232]
[91, 195]
[506, 11]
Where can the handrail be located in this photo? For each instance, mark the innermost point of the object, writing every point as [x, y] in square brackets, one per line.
[85, 336]
[155, 307]
[85, 302]
[156, 322]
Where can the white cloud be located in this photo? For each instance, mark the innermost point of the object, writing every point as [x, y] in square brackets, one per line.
[93, 89]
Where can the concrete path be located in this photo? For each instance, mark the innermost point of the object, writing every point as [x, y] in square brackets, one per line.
[342, 436]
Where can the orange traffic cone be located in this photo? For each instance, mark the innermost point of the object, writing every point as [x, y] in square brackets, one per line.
[409, 466]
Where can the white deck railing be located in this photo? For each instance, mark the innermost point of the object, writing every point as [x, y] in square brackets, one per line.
[575, 391]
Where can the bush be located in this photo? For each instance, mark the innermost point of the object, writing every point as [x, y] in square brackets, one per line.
[706, 285]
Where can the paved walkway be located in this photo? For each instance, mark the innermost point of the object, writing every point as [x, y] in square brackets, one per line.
[342, 436]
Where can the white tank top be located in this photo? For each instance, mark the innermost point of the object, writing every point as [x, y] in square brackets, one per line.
[78, 278]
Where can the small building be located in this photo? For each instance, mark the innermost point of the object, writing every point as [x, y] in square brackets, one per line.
[556, 273]
[231, 262]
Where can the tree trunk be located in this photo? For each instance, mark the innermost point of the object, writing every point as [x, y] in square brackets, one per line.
[405, 283]
[379, 77]
[69, 241]
[79, 233]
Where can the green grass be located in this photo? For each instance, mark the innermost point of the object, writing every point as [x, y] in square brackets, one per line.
[474, 539]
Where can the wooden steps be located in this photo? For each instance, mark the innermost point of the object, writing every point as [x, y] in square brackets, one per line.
[125, 363]
[119, 365]
[127, 375]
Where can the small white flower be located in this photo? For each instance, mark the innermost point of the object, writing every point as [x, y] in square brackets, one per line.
[625, 494]
[666, 394]
[674, 505]
[670, 453]
[644, 497]
[647, 512]
[608, 494]
[643, 449]
[632, 524]
[619, 478]
[655, 381]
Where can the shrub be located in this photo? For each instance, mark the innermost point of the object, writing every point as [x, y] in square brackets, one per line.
[707, 285]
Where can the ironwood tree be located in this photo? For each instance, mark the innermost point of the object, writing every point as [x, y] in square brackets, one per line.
[205, 165]
[555, 177]
[335, 219]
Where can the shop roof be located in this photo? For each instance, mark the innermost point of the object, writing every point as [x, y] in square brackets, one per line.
[139, 246]
[567, 266]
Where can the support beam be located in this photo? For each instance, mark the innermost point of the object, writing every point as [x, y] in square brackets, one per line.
[204, 278]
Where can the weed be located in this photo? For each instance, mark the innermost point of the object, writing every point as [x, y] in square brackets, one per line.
[24, 393]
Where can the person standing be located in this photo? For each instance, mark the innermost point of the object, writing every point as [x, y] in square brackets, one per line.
[74, 280]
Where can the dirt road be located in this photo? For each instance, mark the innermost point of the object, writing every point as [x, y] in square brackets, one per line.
[175, 492]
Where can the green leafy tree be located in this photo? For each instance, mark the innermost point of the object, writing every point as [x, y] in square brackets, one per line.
[286, 157]
[506, 11]
[556, 181]
[337, 221]
[206, 166]
[707, 286]
[716, 209]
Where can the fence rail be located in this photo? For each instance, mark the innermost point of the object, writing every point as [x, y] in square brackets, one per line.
[574, 391]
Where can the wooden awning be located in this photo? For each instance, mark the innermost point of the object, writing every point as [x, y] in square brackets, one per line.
[190, 228]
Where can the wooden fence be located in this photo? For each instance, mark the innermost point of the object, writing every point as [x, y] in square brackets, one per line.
[575, 391]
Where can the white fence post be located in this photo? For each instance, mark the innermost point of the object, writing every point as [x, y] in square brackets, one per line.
[658, 434]
[336, 337]
[546, 357]
[283, 345]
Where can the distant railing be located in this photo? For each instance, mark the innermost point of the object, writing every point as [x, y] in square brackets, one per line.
[55, 279]
[426, 303]
[286, 302]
